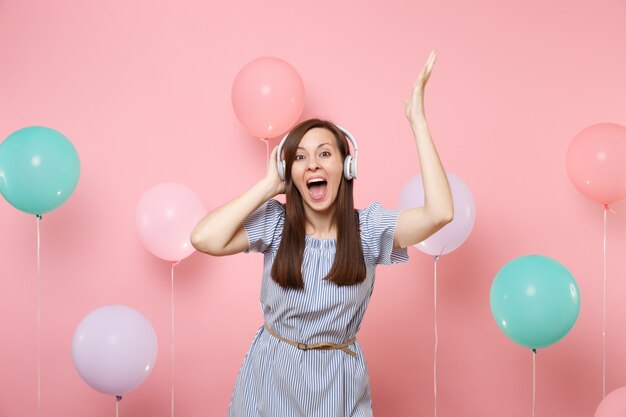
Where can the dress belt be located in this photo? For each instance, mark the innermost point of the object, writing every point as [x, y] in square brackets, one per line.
[321, 346]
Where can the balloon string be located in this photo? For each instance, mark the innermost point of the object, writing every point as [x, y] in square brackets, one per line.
[38, 319]
[606, 208]
[436, 336]
[118, 398]
[267, 151]
[534, 378]
[173, 328]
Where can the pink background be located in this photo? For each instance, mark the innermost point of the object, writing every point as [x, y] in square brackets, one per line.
[142, 89]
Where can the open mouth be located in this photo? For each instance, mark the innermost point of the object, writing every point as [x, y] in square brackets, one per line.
[317, 188]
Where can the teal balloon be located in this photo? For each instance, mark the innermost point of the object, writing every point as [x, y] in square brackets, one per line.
[535, 301]
[39, 169]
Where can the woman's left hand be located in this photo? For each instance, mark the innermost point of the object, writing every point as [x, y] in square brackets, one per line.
[414, 107]
[418, 223]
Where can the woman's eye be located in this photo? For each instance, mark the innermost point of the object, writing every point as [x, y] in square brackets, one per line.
[325, 153]
[299, 157]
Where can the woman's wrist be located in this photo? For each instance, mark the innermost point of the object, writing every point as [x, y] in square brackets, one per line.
[269, 187]
[417, 121]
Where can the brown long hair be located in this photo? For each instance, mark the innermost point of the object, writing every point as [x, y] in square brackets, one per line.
[349, 265]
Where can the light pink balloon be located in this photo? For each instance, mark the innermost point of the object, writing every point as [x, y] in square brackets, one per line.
[114, 349]
[613, 405]
[268, 97]
[452, 235]
[596, 162]
[166, 215]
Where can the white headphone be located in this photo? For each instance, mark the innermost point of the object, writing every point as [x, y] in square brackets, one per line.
[349, 164]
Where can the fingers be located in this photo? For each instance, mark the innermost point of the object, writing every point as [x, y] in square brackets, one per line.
[416, 101]
[272, 161]
[424, 74]
[273, 155]
[431, 60]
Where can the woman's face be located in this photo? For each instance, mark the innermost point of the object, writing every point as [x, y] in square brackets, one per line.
[317, 170]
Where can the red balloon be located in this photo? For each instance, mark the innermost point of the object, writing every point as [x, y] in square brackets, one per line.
[268, 97]
[596, 162]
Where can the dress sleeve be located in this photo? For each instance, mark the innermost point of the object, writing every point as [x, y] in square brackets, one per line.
[377, 229]
[264, 227]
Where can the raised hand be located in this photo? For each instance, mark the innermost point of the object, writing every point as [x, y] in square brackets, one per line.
[414, 107]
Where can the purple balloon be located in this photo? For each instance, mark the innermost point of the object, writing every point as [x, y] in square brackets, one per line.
[114, 349]
[452, 235]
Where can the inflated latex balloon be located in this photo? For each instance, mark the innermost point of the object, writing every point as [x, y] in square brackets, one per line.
[268, 96]
[39, 169]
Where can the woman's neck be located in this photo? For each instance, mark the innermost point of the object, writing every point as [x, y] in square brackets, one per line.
[320, 225]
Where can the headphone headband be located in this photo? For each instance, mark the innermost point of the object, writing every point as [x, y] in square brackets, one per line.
[349, 165]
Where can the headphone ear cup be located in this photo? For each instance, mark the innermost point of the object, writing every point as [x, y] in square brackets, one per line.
[280, 165]
[348, 168]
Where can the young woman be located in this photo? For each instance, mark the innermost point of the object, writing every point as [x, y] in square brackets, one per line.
[320, 256]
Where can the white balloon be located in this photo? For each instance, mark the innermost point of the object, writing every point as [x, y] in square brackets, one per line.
[452, 235]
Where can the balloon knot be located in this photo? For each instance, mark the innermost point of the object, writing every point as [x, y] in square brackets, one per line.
[118, 398]
[38, 216]
[535, 351]
[176, 263]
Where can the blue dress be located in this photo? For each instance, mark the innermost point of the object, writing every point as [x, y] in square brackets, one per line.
[280, 380]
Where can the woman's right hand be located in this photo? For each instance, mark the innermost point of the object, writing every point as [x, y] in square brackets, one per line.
[272, 174]
[221, 231]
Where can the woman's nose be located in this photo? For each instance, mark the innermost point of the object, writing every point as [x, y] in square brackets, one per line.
[313, 164]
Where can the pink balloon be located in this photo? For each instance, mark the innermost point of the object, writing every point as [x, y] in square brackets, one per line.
[166, 215]
[452, 235]
[114, 349]
[268, 97]
[613, 405]
[596, 162]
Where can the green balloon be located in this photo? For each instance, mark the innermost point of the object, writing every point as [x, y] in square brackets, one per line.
[39, 169]
[535, 301]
